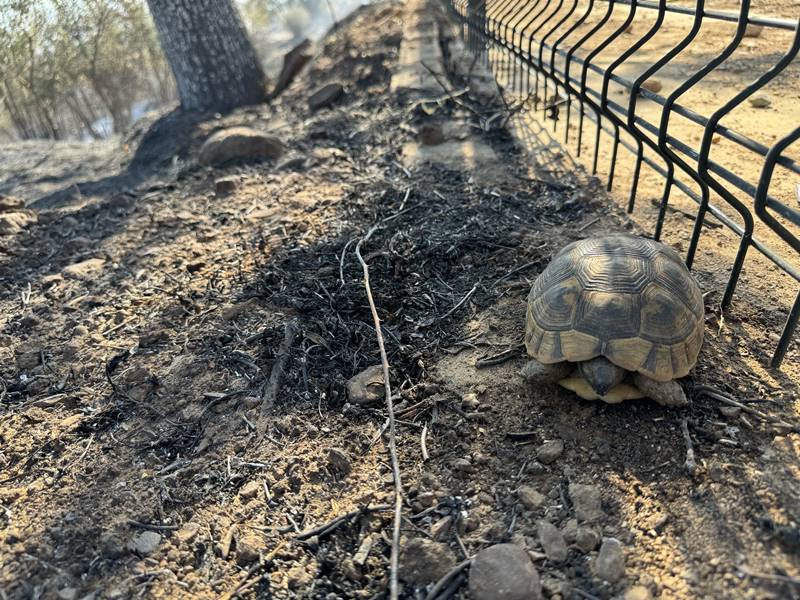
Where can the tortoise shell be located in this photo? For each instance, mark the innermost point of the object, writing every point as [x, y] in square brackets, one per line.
[627, 298]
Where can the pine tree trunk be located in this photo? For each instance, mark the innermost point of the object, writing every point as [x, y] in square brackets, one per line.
[206, 44]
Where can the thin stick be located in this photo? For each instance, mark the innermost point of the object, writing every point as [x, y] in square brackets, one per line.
[326, 528]
[689, 464]
[423, 442]
[275, 376]
[463, 300]
[398, 489]
[442, 583]
[498, 359]
[725, 399]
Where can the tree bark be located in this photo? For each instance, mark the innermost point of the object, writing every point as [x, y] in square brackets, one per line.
[206, 45]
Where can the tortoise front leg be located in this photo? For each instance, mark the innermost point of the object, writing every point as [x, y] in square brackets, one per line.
[666, 393]
[536, 372]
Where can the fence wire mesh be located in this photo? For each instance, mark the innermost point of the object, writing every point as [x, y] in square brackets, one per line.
[564, 57]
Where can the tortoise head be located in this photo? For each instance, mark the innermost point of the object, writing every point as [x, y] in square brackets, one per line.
[601, 374]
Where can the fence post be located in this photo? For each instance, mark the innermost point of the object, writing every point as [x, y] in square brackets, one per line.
[476, 24]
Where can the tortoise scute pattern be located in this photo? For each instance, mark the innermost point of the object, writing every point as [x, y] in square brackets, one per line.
[629, 299]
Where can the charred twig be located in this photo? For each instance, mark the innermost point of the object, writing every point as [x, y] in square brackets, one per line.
[444, 581]
[463, 300]
[152, 526]
[498, 359]
[690, 464]
[398, 489]
[276, 375]
[521, 435]
[705, 390]
[328, 527]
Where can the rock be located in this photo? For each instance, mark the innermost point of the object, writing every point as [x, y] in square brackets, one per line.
[550, 451]
[293, 62]
[753, 30]
[462, 464]
[441, 528]
[325, 96]
[503, 572]
[248, 547]
[225, 185]
[426, 499]
[10, 203]
[530, 498]
[638, 592]
[586, 539]
[187, 533]
[12, 223]
[610, 562]
[470, 401]
[760, 101]
[238, 143]
[587, 502]
[652, 85]
[86, 269]
[145, 543]
[730, 412]
[67, 593]
[367, 387]
[431, 134]
[249, 490]
[423, 561]
[552, 541]
[339, 460]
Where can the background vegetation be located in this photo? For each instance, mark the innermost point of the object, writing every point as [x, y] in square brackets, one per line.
[83, 69]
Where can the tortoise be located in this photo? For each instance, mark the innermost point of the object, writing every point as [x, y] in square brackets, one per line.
[614, 318]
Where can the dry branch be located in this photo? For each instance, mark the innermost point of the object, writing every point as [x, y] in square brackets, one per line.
[276, 375]
[398, 489]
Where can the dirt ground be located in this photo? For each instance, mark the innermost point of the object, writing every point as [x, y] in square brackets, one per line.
[142, 316]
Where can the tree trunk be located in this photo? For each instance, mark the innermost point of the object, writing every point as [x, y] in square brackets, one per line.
[206, 44]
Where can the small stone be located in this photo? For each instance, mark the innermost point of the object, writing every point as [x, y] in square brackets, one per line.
[249, 490]
[610, 562]
[587, 502]
[424, 561]
[504, 572]
[67, 593]
[145, 543]
[549, 451]
[367, 387]
[552, 541]
[652, 85]
[760, 101]
[462, 464]
[638, 592]
[10, 203]
[187, 533]
[441, 528]
[426, 499]
[248, 547]
[730, 412]
[431, 134]
[470, 401]
[325, 96]
[87, 269]
[225, 185]
[12, 223]
[238, 143]
[530, 498]
[339, 460]
[586, 539]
